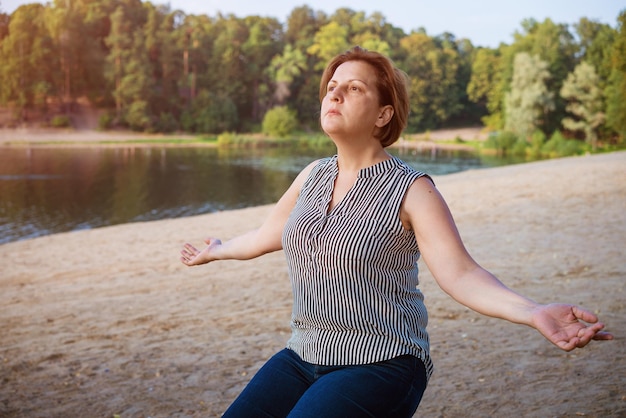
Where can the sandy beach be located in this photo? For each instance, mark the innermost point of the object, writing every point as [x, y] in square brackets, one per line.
[107, 322]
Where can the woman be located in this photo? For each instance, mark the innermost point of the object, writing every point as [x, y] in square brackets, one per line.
[353, 227]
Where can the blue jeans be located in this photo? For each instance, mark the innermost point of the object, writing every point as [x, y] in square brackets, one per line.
[286, 386]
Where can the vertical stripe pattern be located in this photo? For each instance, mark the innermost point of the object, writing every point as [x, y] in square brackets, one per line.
[354, 271]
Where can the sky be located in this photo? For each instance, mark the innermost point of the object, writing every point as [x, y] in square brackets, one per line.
[485, 23]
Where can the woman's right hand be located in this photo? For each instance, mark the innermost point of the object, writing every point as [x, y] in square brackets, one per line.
[191, 256]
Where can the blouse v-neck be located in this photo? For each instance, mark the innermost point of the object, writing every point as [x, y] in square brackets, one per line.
[363, 173]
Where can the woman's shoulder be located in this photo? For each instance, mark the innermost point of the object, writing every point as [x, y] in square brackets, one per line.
[322, 164]
[410, 171]
[312, 169]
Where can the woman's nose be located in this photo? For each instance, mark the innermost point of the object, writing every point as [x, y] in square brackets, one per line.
[334, 95]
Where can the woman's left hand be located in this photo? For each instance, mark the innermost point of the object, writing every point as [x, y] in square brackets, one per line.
[568, 326]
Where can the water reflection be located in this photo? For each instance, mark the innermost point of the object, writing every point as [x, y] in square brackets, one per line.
[49, 190]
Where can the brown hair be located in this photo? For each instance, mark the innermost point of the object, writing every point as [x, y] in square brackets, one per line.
[392, 86]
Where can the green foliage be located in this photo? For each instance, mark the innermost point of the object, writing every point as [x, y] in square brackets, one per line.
[483, 81]
[537, 142]
[329, 41]
[25, 55]
[582, 91]
[559, 146]
[529, 99]
[529, 148]
[105, 121]
[616, 88]
[158, 69]
[596, 42]
[502, 142]
[319, 141]
[508, 143]
[209, 113]
[616, 105]
[226, 138]
[280, 121]
[284, 69]
[60, 121]
[167, 123]
[138, 117]
[433, 70]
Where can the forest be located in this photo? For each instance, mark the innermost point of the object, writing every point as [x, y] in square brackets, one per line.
[153, 69]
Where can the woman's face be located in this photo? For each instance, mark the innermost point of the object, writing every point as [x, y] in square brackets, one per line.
[351, 106]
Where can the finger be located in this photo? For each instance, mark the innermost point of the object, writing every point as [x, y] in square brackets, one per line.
[191, 252]
[567, 345]
[586, 335]
[190, 248]
[584, 315]
[603, 336]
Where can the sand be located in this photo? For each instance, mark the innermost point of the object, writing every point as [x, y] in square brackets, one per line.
[108, 322]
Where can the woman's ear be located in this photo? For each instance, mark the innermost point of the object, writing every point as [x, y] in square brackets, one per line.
[385, 115]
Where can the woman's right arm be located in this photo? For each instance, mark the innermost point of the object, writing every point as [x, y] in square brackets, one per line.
[265, 239]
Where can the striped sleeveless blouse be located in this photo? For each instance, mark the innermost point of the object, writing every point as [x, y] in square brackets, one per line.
[354, 271]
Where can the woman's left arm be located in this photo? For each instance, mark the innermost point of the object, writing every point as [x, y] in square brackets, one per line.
[427, 214]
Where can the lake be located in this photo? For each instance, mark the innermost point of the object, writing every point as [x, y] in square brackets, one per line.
[46, 190]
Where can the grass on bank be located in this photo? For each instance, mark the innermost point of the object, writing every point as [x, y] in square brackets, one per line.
[497, 143]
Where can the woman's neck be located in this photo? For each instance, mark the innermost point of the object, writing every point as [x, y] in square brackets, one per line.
[355, 157]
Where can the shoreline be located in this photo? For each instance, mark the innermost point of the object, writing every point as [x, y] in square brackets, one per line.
[108, 321]
[41, 137]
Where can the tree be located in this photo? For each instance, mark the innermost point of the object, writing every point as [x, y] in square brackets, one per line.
[482, 88]
[529, 100]
[28, 56]
[553, 44]
[228, 63]
[211, 114]
[165, 65]
[199, 51]
[265, 40]
[463, 111]
[65, 27]
[596, 43]
[329, 41]
[372, 42]
[434, 93]
[279, 121]
[4, 25]
[90, 26]
[129, 67]
[581, 90]
[302, 25]
[616, 88]
[119, 44]
[284, 68]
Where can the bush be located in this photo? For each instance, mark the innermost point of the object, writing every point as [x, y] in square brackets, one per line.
[210, 114]
[167, 123]
[279, 121]
[138, 116]
[320, 141]
[501, 142]
[105, 121]
[519, 147]
[61, 121]
[226, 138]
[187, 121]
[559, 146]
[537, 142]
